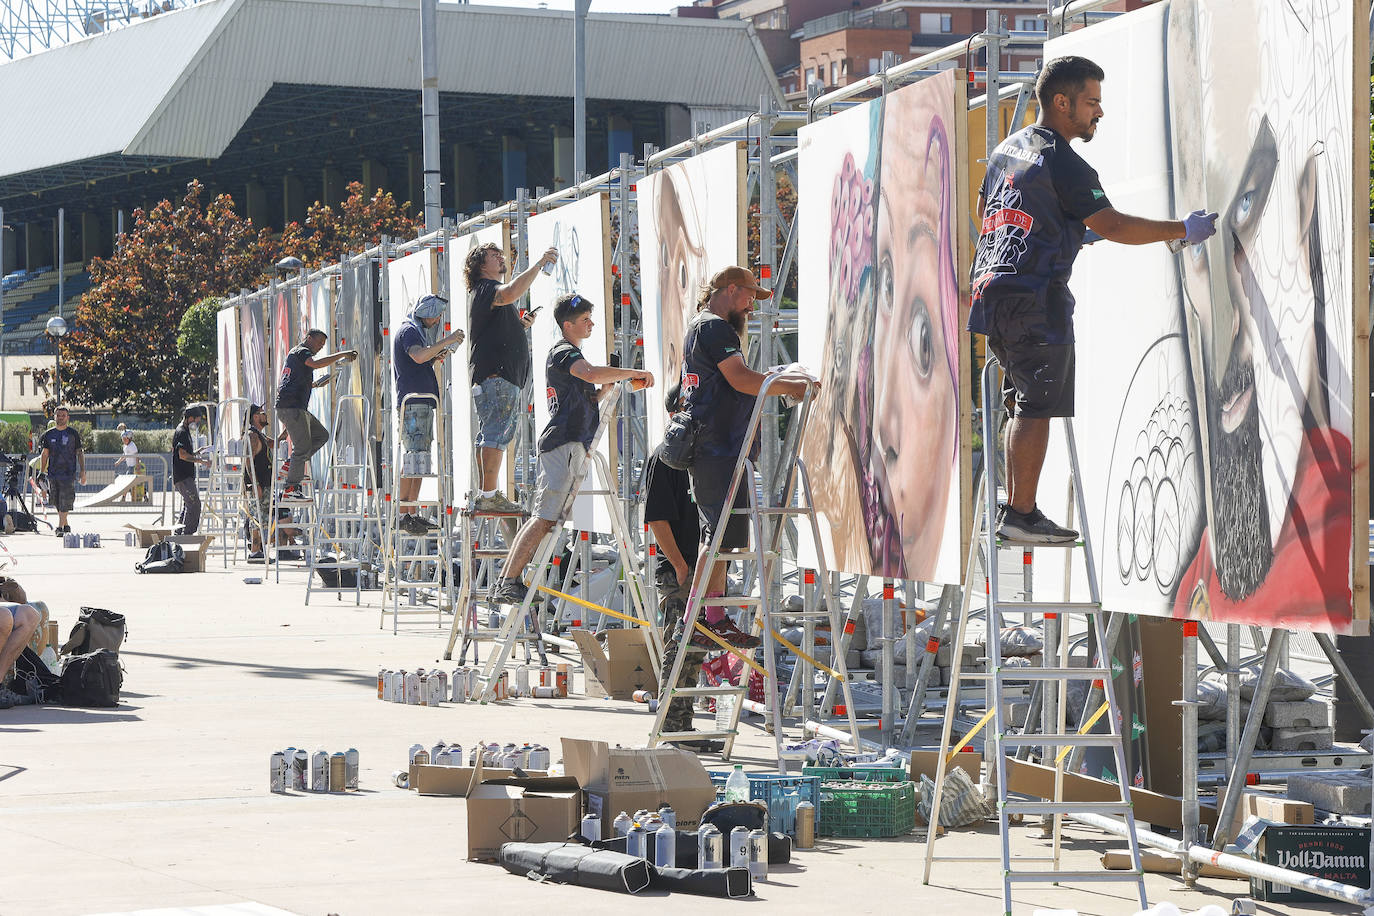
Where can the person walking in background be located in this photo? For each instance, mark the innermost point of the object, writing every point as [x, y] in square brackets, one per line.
[184, 461]
[307, 433]
[63, 460]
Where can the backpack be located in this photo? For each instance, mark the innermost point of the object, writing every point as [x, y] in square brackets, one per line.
[95, 628]
[163, 557]
[92, 679]
[35, 678]
[326, 567]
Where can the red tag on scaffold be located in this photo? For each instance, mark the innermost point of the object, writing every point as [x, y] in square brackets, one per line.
[932, 646]
[1026, 558]
[849, 627]
[809, 577]
[1190, 628]
[889, 591]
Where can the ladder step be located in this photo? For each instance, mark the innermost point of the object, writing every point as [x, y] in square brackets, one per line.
[1050, 740]
[709, 691]
[730, 601]
[1075, 876]
[1008, 543]
[1065, 607]
[1053, 674]
[1050, 807]
[702, 736]
[997, 859]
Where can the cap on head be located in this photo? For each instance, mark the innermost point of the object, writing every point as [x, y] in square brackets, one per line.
[429, 306]
[741, 277]
[191, 413]
[126, 433]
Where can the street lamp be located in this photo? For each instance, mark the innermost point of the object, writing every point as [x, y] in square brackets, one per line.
[56, 330]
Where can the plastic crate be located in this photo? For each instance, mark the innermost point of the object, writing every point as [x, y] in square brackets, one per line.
[857, 773]
[772, 789]
[867, 809]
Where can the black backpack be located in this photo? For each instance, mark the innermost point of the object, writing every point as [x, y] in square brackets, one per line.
[327, 568]
[95, 628]
[163, 557]
[34, 677]
[92, 679]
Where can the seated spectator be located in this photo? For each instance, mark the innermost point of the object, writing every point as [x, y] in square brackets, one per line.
[17, 625]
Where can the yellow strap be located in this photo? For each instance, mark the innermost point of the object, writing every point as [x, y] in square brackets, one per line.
[826, 668]
[1092, 720]
[987, 717]
[595, 607]
[732, 650]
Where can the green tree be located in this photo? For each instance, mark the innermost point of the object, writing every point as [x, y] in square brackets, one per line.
[196, 335]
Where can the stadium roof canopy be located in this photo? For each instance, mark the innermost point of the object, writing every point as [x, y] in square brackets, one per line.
[258, 86]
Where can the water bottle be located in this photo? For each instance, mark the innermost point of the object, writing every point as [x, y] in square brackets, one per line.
[758, 854]
[737, 786]
[635, 842]
[50, 659]
[665, 845]
[725, 711]
[710, 848]
[621, 825]
[591, 827]
[668, 815]
[739, 848]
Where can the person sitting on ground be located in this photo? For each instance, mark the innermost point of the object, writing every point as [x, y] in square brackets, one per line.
[64, 461]
[416, 362]
[17, 625]
[567, 437]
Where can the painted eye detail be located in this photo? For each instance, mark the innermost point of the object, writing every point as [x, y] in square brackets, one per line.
[1246, 204]
[682, 275]
[885, 285]
[922, 341]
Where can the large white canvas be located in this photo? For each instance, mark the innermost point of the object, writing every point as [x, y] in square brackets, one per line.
[1214, 417]
[879, 306]
[691, 224]
[580, 231]
[408, 279]
[354, 319]
[316, 311]
[460, 363]
[230, 379]
[253, 331]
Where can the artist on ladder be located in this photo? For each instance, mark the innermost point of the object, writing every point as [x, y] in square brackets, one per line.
[417, 363]
[1037, 202]
[566, 439]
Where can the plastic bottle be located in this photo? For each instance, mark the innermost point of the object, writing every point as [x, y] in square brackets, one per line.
[737, 786]
[50, 659]
[635, 842]
[725, 711]
[739, 847]
[621, 825]
[710, 847]
[758, 854]
[665, 845]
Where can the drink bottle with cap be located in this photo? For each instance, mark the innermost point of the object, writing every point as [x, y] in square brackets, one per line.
[737, 786]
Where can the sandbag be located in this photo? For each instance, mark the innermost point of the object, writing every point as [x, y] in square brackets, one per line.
[581, 866]
[1288, 687]
[960, 803]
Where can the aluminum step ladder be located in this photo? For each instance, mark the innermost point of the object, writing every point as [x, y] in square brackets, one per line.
[1056, 671]
[342, 523]
[768, 515]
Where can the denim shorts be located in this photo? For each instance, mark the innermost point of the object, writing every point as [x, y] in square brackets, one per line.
[417, 435]
[498, 408]
[559, 472]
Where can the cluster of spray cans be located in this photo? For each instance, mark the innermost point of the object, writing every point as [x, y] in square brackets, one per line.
[414, 688]
[433, 687]
[297, 770]
[652, 835]
[545, 682]
[506, 756]
[71, 539]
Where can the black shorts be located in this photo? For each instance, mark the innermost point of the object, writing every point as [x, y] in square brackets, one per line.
[710, 486]
[62, 493]
[1037, 379]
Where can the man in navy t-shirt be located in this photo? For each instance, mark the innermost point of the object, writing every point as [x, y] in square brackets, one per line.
[308, 434]
[416, 360]
[63, 459]
[567, 437]
[1038, 200]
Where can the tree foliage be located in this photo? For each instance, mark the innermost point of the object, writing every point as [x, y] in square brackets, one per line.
[197, 331]
[124, 349]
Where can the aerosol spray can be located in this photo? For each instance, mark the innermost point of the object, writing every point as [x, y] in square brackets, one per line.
[401, 685]
[381, 682]
[276, 768]
[412, 689]
[710, 847]
[539, 758]
[621, 825]
[758, 854]
[474, 683]
[441, 688]
[424, 691]
[435, 750]
[522, 681]
[319, 772]
[636, 842]
[546, 676]
[591, 827]
[806, 825]
[668, 815]
[415, 751]
[351, 769]
[739, 847]
[460, 685]
[300, 770]
[401, 779]
[560, 680]
[665, 845]
[545, 693]
[338, 772]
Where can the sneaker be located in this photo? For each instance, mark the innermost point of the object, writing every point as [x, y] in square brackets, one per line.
[509, 591]
[497, 504]
[293, 492]
[413, 524]
[1033, 528]
[9, 698]
[58, 531]
[256, 557]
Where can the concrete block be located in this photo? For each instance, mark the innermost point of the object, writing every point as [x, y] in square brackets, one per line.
[1309, 713]
[1341, 793]
[1302, 739]
[944, 656]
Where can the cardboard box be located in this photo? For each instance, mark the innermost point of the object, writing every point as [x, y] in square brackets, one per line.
[617, 779]
[1162, 864]
[147, 534]
[427, 779]
[1150, 807]
[618, 670]
[194, 547]
[923, 763]
[531, 810]
[1280, 810]
[1339, 854]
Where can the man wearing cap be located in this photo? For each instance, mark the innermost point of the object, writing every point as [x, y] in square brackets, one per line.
[184, 463]
[63, 460]
[720, 390]
[500, 361]
[308, 434]
[416, 360]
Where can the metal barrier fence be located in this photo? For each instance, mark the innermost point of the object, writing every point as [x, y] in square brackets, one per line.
[115, 485]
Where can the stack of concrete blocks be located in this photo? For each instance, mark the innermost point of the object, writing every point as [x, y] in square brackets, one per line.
[1339, 793]
[1302, 725]
[1294, 719]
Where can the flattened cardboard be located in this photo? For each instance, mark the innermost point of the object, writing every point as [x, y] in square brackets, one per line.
[923, 763]
[618, 670]
[617, 779]
[533, 810]
[428, 779]
[1150, 807]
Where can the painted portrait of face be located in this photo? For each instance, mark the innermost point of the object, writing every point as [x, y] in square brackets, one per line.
[682, 264]
[1253, 131]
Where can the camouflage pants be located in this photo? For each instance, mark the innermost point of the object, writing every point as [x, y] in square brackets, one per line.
[679, 716]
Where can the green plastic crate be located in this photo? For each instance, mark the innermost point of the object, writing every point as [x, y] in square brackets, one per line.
[857, 774]
[867, 809]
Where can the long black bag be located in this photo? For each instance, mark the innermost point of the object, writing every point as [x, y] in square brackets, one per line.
[581, 866]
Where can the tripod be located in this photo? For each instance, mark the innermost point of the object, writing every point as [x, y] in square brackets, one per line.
[18, 509]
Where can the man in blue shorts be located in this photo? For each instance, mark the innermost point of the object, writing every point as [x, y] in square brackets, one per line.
[416, 360]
